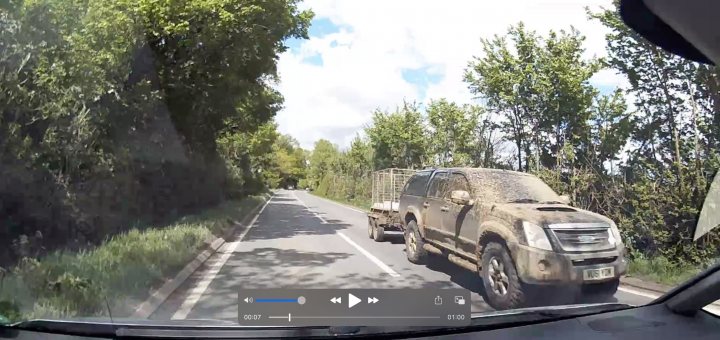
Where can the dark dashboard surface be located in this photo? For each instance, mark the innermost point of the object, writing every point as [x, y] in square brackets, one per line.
[649, 322]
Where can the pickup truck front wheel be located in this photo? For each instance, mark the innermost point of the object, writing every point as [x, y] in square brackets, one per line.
[414, 244]
[503, 287]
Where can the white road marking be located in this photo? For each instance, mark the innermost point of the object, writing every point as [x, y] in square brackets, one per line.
[367, 254]
[639, 292]
[308, 209]
[199, 289]
[710, 308]
[372, 257]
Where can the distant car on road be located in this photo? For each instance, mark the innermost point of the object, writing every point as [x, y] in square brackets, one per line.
[512, 229]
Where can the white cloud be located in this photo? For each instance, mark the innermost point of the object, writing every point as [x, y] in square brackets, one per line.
[363, 62]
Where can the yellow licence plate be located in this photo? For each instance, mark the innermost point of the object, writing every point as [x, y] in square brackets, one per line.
[598, 273]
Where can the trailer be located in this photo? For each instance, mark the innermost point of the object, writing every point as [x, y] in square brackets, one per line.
[387, 186]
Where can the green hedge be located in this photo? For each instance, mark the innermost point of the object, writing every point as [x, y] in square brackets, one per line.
[120, 271]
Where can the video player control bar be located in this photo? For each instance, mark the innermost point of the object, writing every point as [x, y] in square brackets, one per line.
[354, 307]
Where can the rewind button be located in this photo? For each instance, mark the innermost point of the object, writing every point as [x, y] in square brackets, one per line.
[336, 300]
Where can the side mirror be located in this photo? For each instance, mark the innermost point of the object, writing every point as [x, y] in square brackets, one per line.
[461, 197]
[565, 199]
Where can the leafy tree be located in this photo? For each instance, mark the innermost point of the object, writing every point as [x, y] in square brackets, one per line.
[540, 86]
[113, 112]
[399, 139]
[452, 132]
[322, 160]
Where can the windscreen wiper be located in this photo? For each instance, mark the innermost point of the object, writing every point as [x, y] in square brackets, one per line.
[551, 202]
[524, 200]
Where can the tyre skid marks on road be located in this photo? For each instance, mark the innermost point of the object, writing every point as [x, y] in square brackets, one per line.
[200, 288]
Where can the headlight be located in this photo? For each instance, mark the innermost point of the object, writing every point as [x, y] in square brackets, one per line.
[614, 234]
[535, 236]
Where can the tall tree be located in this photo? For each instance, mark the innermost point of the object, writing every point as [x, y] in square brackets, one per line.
[324, 156]
[540, 86]
[398, 139]
[452, 132]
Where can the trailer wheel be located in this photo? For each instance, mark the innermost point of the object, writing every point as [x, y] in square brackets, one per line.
[371, 226]
[378, 233]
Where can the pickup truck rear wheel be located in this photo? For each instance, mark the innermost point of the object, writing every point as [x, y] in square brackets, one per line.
[414, 244]
[503, 287]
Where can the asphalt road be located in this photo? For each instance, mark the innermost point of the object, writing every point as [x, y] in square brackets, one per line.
[303, 241]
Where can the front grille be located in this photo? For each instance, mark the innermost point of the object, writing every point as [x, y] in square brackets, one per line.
[584, 239]
[590, 262]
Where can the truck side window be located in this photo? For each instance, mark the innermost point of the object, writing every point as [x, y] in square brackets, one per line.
[416, 185]
[438, 185]
[457, 181]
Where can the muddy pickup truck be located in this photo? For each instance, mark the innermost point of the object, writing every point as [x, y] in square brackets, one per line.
[513, 230]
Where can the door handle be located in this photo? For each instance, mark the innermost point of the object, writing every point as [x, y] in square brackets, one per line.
[426, 204]
[445, 208]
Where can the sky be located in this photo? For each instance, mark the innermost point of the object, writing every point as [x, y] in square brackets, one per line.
[364, 55]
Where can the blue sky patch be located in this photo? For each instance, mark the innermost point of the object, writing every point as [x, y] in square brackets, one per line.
[319, 27]
[605, 89]
[315, 59]
[421, 77]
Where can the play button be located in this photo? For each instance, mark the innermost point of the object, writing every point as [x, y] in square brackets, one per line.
[352, 300]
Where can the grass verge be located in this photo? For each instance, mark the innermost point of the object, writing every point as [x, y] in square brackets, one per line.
[661, 270]
[360, 203]
[118, 273]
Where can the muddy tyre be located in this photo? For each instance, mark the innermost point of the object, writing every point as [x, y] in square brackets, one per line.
[503, 287]
[378, 233]
[414, 244]
[371, 227]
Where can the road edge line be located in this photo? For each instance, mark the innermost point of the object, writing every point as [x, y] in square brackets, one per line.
[159, 296]
[199, 289]
[370, 256]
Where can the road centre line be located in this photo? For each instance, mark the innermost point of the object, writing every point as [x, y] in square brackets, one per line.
[308, 209]
[200, 288]
[371, 257]
[367, 254]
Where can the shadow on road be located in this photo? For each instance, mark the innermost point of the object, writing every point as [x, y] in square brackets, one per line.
[284, 218]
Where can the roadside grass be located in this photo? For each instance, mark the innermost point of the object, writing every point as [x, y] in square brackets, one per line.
[661, 270]
[359, 203]
[116, 274]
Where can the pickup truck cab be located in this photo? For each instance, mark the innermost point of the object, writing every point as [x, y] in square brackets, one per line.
[512, 229]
